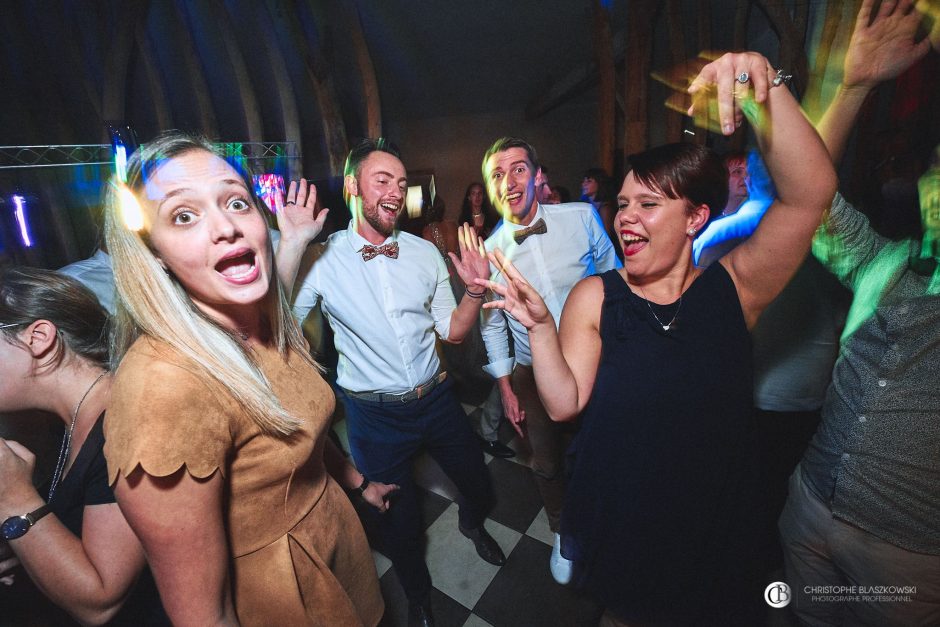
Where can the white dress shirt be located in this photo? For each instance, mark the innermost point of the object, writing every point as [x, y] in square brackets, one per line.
[96, 274]
[383, 312]
[575, 246]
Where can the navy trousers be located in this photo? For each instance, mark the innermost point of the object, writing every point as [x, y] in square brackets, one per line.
[384, 437]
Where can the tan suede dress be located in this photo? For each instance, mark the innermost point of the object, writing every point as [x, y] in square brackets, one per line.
[299, 554]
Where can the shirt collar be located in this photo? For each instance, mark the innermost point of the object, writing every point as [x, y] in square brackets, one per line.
[357, 241]
[539, 213]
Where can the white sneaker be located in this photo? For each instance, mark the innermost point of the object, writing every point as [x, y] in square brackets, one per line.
[560, 567]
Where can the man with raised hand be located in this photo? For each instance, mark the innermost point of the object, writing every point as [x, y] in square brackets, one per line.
[385, 293]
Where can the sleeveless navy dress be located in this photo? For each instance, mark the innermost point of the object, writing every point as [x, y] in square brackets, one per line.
[661, 506]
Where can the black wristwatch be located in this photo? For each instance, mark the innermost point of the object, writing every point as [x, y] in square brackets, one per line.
[16, 526]
[362, 486]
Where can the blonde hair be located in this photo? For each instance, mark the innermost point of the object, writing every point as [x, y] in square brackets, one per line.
[151, 302]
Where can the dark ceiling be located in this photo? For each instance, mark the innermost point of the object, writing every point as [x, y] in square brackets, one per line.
[435, 58]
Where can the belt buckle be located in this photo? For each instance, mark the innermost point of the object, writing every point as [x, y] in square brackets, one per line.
[421, 389]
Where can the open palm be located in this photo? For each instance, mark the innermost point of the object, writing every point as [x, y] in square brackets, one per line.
[882, 50]
[519, 299]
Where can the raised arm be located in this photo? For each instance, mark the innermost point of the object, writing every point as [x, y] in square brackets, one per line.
[470, 265]
[798, 164]
[299, 223]
[881, 48]
[88, 576]
[178, 519]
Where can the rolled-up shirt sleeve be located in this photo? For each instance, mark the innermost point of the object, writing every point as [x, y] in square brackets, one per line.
[308, 294]
[846, 244]
[496, 339]
[443, 302]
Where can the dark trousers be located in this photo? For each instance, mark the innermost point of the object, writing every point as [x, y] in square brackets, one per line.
[384, 437]
[548, 440]
[783, 438]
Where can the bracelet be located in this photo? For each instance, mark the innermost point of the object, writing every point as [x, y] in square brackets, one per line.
[362, 486]
[474, 295]
[782, 78]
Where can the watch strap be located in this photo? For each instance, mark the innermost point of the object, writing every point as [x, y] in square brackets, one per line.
[34, 516]
[362, 486]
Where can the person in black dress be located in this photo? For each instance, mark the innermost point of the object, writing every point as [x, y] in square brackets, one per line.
[75, 545]
[659, 516]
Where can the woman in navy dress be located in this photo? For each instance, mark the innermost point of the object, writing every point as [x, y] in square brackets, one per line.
[657, 357]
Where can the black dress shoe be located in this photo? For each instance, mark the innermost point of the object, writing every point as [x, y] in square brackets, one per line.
[419, 615]
[497, 449]
[486, 546]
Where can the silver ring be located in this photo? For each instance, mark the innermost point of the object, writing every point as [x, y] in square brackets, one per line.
[290, 202]
[743, 77]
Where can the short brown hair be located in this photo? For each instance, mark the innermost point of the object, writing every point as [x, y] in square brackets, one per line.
[505, 143]
[684, 171]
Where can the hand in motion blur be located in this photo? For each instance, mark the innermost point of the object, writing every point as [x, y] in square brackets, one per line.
[717, 84]
[883, 47]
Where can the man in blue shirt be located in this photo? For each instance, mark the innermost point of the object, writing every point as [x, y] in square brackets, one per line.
[555, 246]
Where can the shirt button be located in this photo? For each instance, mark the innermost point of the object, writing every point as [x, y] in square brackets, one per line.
[862, 418]
[845, 456]
[902, 309]
[882, 383]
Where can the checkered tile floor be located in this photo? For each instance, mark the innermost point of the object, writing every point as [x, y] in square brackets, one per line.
[468, 591]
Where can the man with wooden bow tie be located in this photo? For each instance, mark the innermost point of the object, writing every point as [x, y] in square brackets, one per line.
[555, 246]
[385, 293]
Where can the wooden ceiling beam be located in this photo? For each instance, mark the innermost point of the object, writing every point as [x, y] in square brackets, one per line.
[285, 94]
[604, 58]
[117, 59]
[573, 83]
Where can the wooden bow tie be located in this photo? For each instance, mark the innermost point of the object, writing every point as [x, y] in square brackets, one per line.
[371, 252]
[538, 228]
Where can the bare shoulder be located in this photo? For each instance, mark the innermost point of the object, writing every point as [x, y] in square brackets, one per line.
[585, 300]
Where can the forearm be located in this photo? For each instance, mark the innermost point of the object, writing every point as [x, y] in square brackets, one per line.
[287, 259]
[796, 157]
[58, 564]
[340, 468]
[464, 317]
[556, 384]
[837, 121]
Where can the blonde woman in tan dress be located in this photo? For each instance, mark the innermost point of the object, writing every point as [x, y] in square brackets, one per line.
[216, 435]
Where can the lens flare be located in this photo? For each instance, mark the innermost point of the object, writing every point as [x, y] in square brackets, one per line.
[414, 201]
[131, 212]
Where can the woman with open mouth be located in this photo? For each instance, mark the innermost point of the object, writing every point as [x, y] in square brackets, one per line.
[216, 436]
[655, 357]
